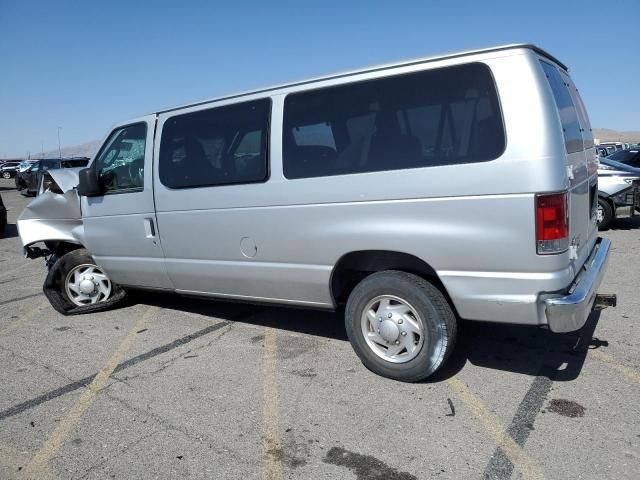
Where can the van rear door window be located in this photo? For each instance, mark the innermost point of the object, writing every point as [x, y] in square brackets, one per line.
[434, 117]
[566, 108]
[587, 132]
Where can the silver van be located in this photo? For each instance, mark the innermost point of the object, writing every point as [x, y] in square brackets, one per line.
[413, 194]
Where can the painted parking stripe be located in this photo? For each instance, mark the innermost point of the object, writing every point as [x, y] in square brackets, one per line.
[628, 372]
[38, 466]
[516, 455]
[83, 382]
[271, 466]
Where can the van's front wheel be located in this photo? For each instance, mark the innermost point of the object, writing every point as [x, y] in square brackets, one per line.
[87, 284]
[400, 325]
[75, 284]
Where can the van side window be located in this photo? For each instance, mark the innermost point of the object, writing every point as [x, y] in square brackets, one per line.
[566, 108]
[120, 163]
[435, 117]
[220, 146]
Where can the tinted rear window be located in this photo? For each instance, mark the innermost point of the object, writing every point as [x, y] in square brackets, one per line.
[435, 117]
[566, 108]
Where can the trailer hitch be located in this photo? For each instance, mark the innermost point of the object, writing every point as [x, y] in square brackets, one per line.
[604, 300]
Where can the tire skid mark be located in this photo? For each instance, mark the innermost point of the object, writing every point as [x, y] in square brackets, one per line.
[83, 382]
[515, 454]
[39, 464]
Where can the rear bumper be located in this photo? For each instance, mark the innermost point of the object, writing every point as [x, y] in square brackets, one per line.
[570, 312]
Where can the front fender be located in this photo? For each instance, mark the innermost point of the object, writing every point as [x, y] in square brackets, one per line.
[52, 217]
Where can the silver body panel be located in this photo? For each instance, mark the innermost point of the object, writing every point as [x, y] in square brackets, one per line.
[115, 230]
[474, 224]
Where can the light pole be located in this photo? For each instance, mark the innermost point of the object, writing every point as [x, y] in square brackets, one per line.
[59, 150]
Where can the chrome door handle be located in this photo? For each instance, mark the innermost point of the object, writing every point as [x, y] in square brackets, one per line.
[149, 228]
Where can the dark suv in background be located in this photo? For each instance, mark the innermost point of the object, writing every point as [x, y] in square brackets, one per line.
[28, 181]
[9, 169]
[629, 157]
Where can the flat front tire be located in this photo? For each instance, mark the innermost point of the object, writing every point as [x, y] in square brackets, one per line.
[400, 325]
[76, 284]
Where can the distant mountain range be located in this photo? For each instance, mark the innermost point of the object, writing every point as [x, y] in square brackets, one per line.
[608, 135]
[83, 150]
[602, 134]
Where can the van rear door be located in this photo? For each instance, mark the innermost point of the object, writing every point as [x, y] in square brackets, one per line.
[581, 163]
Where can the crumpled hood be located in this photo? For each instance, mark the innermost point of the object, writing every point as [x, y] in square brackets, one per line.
[66, 178]
[54, 216]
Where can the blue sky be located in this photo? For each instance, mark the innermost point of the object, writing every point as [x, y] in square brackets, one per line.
[84, 65]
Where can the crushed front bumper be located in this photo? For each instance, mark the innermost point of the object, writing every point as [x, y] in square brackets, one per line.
[570, 312]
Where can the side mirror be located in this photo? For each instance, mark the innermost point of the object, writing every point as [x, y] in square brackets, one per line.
[89, 185]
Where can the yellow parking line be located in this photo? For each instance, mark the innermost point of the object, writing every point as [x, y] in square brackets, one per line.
[271, 467]
[520, 460]
[37, 467]
[628, 372]
[27, 316]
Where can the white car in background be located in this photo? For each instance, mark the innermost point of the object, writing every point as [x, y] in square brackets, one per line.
[618, 192]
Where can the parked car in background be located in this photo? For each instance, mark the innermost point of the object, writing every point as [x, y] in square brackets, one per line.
[9, 169]
[615, 145]
[28, 181]
[3, 217]
[608, 148]
[602, 151]
[629, 157]
[338, 192]
[618, 192]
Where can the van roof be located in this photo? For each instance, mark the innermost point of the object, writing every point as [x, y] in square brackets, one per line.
[375, 68]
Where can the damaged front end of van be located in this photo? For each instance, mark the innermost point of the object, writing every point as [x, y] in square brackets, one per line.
[51, 227]
[53, 218]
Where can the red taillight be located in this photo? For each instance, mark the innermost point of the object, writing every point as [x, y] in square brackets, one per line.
[552, 223]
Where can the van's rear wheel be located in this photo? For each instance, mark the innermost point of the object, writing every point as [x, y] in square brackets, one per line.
[400, 325]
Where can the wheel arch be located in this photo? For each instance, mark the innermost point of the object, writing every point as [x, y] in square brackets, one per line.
[62, 247]
[352, 267]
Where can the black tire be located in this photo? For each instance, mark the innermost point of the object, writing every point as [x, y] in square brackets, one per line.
[439, 321]
[55, 291]
[6, 175]
[607, 214]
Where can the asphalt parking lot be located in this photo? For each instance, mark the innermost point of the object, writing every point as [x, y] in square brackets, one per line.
[170, 387]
